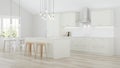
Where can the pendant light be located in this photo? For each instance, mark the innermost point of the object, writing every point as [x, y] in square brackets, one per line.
[11, 16]
[19, 17]
[11, 2]
[10, 11]
[47, 9]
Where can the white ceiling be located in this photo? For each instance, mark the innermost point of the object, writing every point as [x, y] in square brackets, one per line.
[69, 5]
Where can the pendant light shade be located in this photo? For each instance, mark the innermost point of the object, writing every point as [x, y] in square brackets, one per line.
[85, 16]
[47, 9]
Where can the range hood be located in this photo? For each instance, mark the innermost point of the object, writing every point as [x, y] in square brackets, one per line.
[85, 16]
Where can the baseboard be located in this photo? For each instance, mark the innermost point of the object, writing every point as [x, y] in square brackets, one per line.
[94, 53]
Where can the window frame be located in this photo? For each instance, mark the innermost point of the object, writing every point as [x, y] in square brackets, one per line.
[19, 24]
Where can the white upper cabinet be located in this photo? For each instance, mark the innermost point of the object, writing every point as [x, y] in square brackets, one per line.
[68, 19]
[102, 17]
[53, 26]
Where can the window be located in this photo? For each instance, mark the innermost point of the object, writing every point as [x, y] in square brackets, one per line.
[9, 28]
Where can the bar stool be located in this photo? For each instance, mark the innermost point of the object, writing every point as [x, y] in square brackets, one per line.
[8, 45]
[28, 48]
[41, 46]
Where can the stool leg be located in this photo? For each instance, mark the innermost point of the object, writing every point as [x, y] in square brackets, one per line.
[25, 49]
[41, 54]
[46, 50]
[35, 48]
[30, 50]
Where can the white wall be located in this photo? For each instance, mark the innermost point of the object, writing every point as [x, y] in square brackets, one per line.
[26, 17]
[70, 5]
[117, 31]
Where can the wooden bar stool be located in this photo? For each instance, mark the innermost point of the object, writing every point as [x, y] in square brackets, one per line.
[28, 48]
[41, 46]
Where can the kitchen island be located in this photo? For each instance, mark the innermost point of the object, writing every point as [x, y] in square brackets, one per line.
[56, 47]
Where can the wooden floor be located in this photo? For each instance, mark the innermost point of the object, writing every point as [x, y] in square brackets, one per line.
[77, 60]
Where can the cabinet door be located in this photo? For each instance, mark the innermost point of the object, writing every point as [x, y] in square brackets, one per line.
[68, 19]
[53, 26]
[102, 17]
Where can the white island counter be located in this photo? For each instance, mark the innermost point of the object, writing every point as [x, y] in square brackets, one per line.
[59, 48]
[56, 47]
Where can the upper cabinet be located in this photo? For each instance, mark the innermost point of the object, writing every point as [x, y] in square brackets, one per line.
[102, 17]
[99, 17]
[61, 20]
[68, 19]
[53, 26]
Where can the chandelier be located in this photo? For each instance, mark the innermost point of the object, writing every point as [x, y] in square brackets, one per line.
[47, 9]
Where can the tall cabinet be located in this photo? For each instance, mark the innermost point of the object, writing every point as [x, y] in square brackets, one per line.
[61, 21]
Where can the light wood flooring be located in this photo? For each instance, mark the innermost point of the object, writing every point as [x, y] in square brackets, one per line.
[77, 60]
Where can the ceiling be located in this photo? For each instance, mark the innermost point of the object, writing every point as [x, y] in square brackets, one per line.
[69, 5]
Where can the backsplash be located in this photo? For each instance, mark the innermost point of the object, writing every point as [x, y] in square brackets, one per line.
[101, 31]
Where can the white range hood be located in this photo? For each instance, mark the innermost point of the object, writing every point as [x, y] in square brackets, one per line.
[85, 16]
